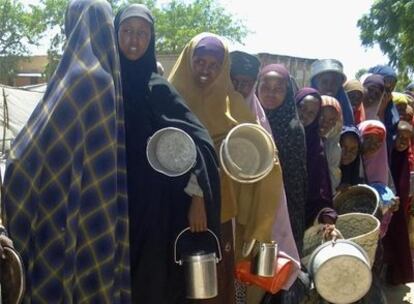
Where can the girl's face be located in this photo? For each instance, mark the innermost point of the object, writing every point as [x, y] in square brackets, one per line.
[374, 96]
[402, 109]
[403, 140]
[308, 109]
[206, 69]
[327, 120]
[355, 97]
[350, 148]
[328, 83]
[134, 36]
[371, 143]
[243, 84]
[272, 90]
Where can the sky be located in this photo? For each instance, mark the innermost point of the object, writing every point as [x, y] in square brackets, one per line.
[303, 28]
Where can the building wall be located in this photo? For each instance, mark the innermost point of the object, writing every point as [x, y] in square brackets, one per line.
[298, 67]
[32, 65]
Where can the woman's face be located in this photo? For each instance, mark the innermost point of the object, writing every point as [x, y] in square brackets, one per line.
[374, 96]
[327, 120]
[206, 69]
[355, 97]
[308, 109]
[402, 109]
[272, 90]
[403, 140]
[243, 84]
[134, 36]
[328, 83]
[350, 149]
[371, 143]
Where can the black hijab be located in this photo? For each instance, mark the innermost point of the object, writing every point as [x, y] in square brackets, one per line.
[136, 74]
[158, 205]
[350, 173]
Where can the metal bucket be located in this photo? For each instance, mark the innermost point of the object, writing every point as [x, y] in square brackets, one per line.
[200, 271]
[248, 153]
[341, 271]
[171, 151]
[264, 259]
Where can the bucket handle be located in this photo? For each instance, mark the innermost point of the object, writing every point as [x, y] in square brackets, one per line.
[180, 262]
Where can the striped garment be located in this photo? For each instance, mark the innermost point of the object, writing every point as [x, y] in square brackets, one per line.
[65, 184]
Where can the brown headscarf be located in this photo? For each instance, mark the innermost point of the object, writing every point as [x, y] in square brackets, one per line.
[220, 108]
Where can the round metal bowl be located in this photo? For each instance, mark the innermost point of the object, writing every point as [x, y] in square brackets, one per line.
[248, 153]
[341, 271]
[171, 151]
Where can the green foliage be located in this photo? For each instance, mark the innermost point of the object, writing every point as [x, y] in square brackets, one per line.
[360, 72]
[178, 22]
[19, 27]
[390, 24]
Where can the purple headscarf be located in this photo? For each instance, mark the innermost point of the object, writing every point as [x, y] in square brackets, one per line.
[210, 46]
[319, 183]
[280, 69]
[374, 80]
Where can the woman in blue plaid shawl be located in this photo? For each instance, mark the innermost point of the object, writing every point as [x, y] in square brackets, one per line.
[65, 183]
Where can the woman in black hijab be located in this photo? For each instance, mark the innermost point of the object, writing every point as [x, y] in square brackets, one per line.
[159, 206]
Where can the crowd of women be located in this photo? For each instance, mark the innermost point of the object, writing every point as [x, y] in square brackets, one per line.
[94, 222]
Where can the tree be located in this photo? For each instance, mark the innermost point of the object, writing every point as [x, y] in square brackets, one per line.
[360, 72]
[19, 27]
[390, 23]
[176, 23]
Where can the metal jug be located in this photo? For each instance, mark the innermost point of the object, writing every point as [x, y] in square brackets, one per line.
[200, 271]
[264, 259]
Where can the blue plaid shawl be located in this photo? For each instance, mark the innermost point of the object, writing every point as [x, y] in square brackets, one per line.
[65, 183]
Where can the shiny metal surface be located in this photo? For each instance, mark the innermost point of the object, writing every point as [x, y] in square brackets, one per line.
[264, 259]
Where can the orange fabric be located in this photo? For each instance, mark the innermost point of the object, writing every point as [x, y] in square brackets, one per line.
[359, 114]
[270, 284]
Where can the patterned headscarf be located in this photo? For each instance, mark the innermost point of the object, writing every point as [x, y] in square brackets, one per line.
[65, 192]
[290, 139]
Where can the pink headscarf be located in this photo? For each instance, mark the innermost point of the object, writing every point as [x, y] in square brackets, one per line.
[282, 234]
[255, 106]
[376, 165]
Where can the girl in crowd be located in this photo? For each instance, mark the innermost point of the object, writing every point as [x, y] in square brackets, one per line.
[396, 242]
[65, 195]
[351, 166]
[356, 94]
[160, 206]
[374, 151]
[202, 76]
[319, 195]
[401, 102]
[276, 96]
[275, 92]
[374, 86]
[330, 125]
[388, 113]
[244, 72]
[327, 77]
